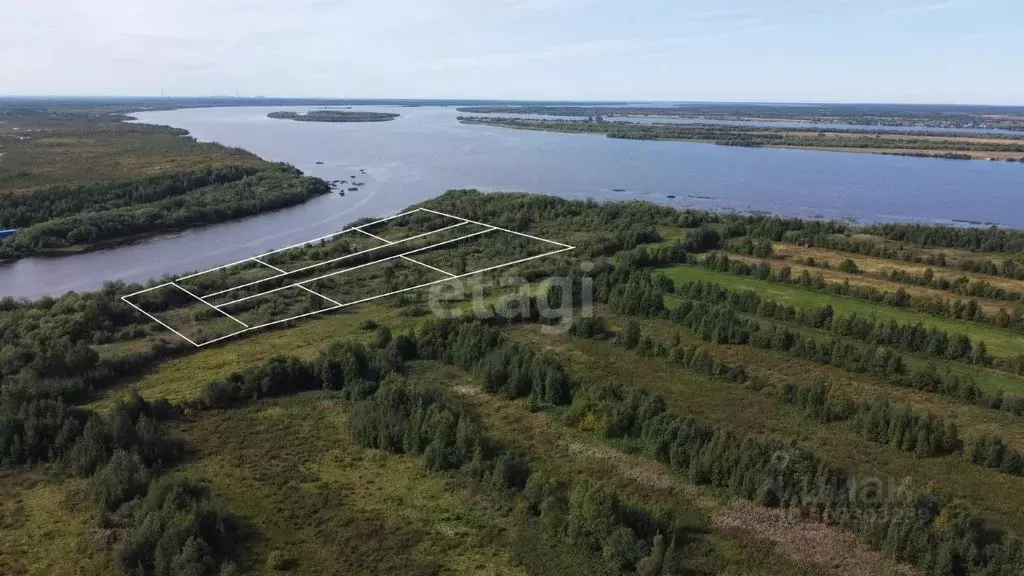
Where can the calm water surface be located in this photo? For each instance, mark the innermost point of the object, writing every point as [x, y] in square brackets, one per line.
[426, 152]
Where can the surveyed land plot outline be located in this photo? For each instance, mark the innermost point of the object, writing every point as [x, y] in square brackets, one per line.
[281, 274]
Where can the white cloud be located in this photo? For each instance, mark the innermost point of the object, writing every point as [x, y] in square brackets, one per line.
[486, 48]
[565, 51]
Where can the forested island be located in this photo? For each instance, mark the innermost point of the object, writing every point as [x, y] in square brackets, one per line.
[77, 178]
[334, 116]
[748, 395]
[948, 145]
[895, 115]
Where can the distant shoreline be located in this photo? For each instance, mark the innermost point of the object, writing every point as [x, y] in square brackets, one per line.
[942, 146]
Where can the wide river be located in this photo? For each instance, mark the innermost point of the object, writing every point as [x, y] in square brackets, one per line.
[426, 151]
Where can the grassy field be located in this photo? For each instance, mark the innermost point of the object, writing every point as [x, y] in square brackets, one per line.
[999, 342]
[989, 380]
[40, 149]
[869, 264]
[183, 378]
[291, 474]
[730, 536]
[304, 491]
[952, 255]
[988, 306]
[47, 526]
[972, 421]
[720, 403]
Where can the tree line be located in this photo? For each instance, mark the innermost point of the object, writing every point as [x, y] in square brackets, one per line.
[958, 309]
[879, 421]
[169, 526]
[276, 187]
[1008, 268]
[991, 239]
[334, 116]
[409, 418]
[49, 346]
[778, 473]
[389, 412]
[570, 523]
[908, 337]
[953, 146]
[642, 294]
[961, 285]
[21, 210]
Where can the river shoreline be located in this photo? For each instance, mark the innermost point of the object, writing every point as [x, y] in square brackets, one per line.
[427, 151]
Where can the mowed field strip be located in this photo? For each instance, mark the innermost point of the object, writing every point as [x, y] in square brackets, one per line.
[387, 257]
[999, 342]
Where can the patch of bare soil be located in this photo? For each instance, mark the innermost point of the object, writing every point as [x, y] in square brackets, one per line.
[835, 551]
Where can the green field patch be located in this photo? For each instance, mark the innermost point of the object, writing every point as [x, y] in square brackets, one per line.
[183, 378]
[999, 342]
[989, 380]
[731, 405]
[972, 420]
[289, 470]
[48, 526]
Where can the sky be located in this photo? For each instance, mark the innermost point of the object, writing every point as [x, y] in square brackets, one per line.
[908, 51]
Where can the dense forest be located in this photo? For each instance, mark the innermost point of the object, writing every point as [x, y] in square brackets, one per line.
[163, 205]
[380, 440]
[950, 146]
[74, 179]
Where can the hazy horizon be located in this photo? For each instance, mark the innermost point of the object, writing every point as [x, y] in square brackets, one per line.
[770, 51]
[487, 100]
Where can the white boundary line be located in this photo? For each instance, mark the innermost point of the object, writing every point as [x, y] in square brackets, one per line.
[258, 261]
[364, 300]
[337, 305]
[150, 289]
[375, 237]
[339, 233]
[315, 293]
[267, 324]
[498, 228]
[428, 266]
[208, 304]
[334, 260]
[158, 321]
[347, 270]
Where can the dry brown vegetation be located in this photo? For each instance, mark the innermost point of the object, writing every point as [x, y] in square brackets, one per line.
[794, 253]
[989, 306]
